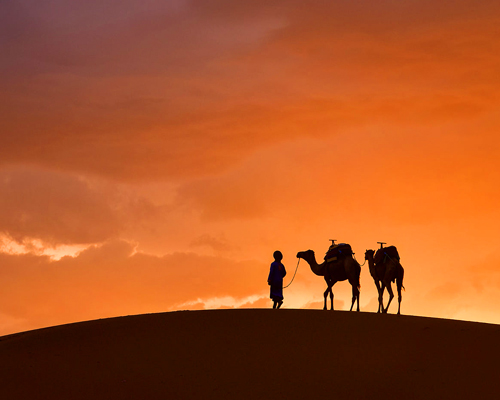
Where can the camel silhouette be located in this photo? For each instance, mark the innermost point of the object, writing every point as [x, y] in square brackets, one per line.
[386, 270]
[345, 268]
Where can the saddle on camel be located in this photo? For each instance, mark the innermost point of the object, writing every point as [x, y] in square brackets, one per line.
[338, 251]
[385, 254]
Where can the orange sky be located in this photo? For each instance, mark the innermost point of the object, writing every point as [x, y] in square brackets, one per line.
[155, 153]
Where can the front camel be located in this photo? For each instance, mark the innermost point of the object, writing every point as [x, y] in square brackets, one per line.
[345, 268]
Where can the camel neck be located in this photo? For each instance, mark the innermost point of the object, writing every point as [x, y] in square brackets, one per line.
[318, 269]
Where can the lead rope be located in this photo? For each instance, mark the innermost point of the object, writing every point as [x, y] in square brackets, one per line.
[293, 275]
[358, 261]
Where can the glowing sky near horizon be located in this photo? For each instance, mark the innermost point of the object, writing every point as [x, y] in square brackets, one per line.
[155, 153]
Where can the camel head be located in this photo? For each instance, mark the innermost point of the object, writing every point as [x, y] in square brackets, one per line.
[306, 255]
[310, 258]
[369, 254]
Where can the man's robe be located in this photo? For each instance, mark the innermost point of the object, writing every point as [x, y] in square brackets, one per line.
[275, 279]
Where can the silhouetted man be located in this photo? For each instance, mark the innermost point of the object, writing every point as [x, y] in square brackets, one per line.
[275, 279]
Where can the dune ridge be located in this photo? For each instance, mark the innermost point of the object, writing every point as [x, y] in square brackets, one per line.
[253, 353]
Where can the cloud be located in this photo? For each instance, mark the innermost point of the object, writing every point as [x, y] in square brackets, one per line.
[262, 302]
[219, 244]
[57, 208]
[409, 176]
[113, 279]
[54, 207]
[184, 89]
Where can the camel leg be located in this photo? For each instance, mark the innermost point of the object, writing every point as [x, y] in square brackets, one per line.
[355, 296]
[381, 298]
[325, 295]
[391, 296]
[328, 290]
[399, 300]
[399, 283]
[382, 288]
[379, 291]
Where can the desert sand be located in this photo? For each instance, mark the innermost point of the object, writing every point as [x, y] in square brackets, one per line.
[254, 354]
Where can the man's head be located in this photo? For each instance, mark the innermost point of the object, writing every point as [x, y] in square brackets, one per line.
[277, 255]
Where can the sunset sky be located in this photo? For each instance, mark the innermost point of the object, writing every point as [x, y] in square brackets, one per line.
[155, 153]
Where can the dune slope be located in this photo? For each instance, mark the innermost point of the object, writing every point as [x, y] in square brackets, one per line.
[253, 354]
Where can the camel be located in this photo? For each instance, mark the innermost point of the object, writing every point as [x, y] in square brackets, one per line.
[383, 273]
[346, 268]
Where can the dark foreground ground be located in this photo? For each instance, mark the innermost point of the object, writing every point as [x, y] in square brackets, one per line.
[254, 354]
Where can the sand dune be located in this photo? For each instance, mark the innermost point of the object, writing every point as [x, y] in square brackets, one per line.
[254, 354]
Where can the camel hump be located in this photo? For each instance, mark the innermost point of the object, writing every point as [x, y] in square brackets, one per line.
[337, 251]
[390, 252]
